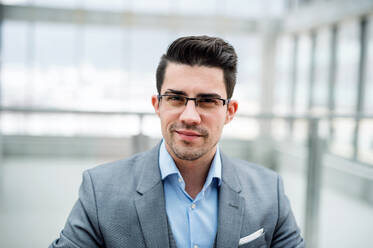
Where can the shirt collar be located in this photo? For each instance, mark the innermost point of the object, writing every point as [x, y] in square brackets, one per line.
[166, 163]
[168, 167]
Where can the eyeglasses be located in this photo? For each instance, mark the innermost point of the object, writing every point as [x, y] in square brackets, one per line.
[204, 103]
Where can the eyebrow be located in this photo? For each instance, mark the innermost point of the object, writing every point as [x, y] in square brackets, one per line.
[209, 95]
[203, 95]
[177, 92]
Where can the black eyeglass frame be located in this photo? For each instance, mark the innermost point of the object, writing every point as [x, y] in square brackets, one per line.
[225, 101]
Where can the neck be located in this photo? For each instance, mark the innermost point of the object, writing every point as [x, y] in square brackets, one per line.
[194, 172]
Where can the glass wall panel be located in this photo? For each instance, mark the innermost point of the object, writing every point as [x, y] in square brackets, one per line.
[242, 128]
[250, 9]
[103, 68]
[273, 8]
[56, 3]
[107, 5]
[303, 74]
[242, 8]
[54, 74]
[343, 137]
[195, 7]
[152, 126]
[282, 81]
[280, 129]
[15, 2]
[366, 141]
[347, 67]
[70, 125]
[346, 87]
[300, 131]
[366, 126]
[147, 46]
[15, 72]
[154, 7]
[247, 90]
[322, 67]
[368, 93]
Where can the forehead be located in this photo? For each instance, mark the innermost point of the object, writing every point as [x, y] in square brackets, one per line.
[194, 80]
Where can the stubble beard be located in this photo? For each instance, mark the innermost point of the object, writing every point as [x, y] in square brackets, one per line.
[184, 153]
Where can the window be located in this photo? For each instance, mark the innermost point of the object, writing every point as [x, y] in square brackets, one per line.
[103, 68]
[282, 83]
[365, 146]
[346, 88]
[322, 67]
[347, 67]
[15, 65]
[247, 90]
[54, 74]
[303, 73]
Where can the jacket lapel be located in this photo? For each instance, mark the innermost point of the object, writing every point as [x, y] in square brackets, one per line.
[231, 207]
[150, 205]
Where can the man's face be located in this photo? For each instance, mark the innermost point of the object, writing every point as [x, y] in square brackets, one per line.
[189, 132]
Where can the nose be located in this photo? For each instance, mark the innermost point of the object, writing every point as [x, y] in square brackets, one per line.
[190, 115]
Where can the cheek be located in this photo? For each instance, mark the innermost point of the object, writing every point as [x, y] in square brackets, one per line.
[215, 122]
[164, 124]
[167, 119]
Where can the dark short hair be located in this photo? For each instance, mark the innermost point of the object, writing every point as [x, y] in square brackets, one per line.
[201, 51]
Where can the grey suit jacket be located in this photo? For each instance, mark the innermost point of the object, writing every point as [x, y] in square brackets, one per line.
[121, 204]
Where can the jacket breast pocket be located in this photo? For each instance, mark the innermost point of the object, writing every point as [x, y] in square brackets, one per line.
[259, 242]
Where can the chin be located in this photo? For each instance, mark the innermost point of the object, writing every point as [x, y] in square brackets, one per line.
[189, 156]
[187, 152]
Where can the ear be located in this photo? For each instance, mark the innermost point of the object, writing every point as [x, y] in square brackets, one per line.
[231, 111]
[155, 104]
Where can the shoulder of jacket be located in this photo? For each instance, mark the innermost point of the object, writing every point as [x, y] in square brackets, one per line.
[243, 166]
[120, 170]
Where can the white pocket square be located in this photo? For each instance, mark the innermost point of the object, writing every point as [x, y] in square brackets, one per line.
[250, 237]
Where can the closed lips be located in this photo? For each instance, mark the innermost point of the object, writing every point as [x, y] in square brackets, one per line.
[189, 133]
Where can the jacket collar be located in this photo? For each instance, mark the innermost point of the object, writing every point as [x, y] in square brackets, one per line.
[150, 204]
[231, 206]
[150, 175]
[229, 174]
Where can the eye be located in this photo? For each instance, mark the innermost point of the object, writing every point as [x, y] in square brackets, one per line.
[208, 102]
[175, 99]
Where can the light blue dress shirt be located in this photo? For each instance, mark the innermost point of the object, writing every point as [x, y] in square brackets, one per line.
[193, 222]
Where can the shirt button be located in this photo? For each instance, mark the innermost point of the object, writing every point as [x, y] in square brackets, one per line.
[195, 246]
[180, 180]
[193, 207]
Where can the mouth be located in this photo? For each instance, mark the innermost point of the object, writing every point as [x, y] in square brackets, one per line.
[188, 135]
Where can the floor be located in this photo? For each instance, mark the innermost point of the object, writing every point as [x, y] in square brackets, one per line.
[344, 221]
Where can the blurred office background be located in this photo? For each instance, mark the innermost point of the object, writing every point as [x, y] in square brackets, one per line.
[75, 87]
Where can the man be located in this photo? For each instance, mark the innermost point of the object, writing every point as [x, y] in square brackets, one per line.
[185, 192]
